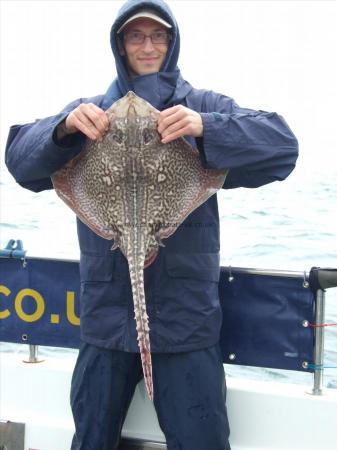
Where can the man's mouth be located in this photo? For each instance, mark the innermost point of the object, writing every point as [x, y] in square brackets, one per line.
[149, 59]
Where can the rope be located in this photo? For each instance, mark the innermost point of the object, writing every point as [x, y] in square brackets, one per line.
[320, 367]
[320, 325]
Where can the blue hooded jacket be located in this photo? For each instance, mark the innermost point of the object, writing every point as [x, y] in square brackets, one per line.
[182, 283]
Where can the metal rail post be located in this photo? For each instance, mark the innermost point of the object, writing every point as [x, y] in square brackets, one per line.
[33, 355]
[319, 343]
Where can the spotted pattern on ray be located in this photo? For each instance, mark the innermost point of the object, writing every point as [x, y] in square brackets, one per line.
[135, 190]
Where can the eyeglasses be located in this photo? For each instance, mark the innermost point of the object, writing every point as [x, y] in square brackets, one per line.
[138, 38]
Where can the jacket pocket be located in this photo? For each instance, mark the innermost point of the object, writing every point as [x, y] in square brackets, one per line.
[201, 266]
[97, 268]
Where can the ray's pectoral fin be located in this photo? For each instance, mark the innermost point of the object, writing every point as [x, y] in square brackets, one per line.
[158, 239]
[115, 245]
[157, 235]
[116, 238]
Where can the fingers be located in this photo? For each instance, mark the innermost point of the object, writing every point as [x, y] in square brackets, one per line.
[176, 125]
[169, 116]
[171, 124]
[184, 131]
[82, 123]
[100, 118]
[179, 121]
[89, 119]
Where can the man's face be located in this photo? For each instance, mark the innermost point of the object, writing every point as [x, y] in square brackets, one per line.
[147, 57]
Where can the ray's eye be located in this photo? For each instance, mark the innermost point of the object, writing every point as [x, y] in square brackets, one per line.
[148, 136]
[118, 136]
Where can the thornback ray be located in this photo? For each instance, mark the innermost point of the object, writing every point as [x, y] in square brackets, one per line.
[134, 190]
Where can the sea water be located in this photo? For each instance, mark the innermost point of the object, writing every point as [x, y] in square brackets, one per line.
[289, 225]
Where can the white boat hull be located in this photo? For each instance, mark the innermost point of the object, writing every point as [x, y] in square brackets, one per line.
[263, 415]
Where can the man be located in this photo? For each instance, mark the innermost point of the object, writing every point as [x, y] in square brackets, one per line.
[182, 284]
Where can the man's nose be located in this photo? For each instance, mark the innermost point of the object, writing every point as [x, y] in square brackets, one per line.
[148, 45]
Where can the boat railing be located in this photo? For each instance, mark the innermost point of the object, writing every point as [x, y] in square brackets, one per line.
[271, 318]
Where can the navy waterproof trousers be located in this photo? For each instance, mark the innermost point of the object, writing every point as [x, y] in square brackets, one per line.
[189, 398]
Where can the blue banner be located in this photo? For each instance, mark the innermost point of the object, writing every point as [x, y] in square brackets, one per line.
[265, 320]
[263, 315]
[39, 302]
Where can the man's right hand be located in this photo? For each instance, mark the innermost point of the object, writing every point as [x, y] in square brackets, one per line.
[87, 118]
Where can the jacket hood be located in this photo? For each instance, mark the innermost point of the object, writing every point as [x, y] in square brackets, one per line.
[162, 89]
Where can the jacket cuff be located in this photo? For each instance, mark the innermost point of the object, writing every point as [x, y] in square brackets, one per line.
[56, 152]
[67, 142]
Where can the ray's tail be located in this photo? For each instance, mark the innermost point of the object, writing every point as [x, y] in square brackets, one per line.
[136, 269]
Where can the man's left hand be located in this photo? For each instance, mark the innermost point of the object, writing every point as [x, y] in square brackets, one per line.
[179, 121]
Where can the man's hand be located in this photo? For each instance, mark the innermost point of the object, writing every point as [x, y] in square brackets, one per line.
[179, 121]
[87, 118]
